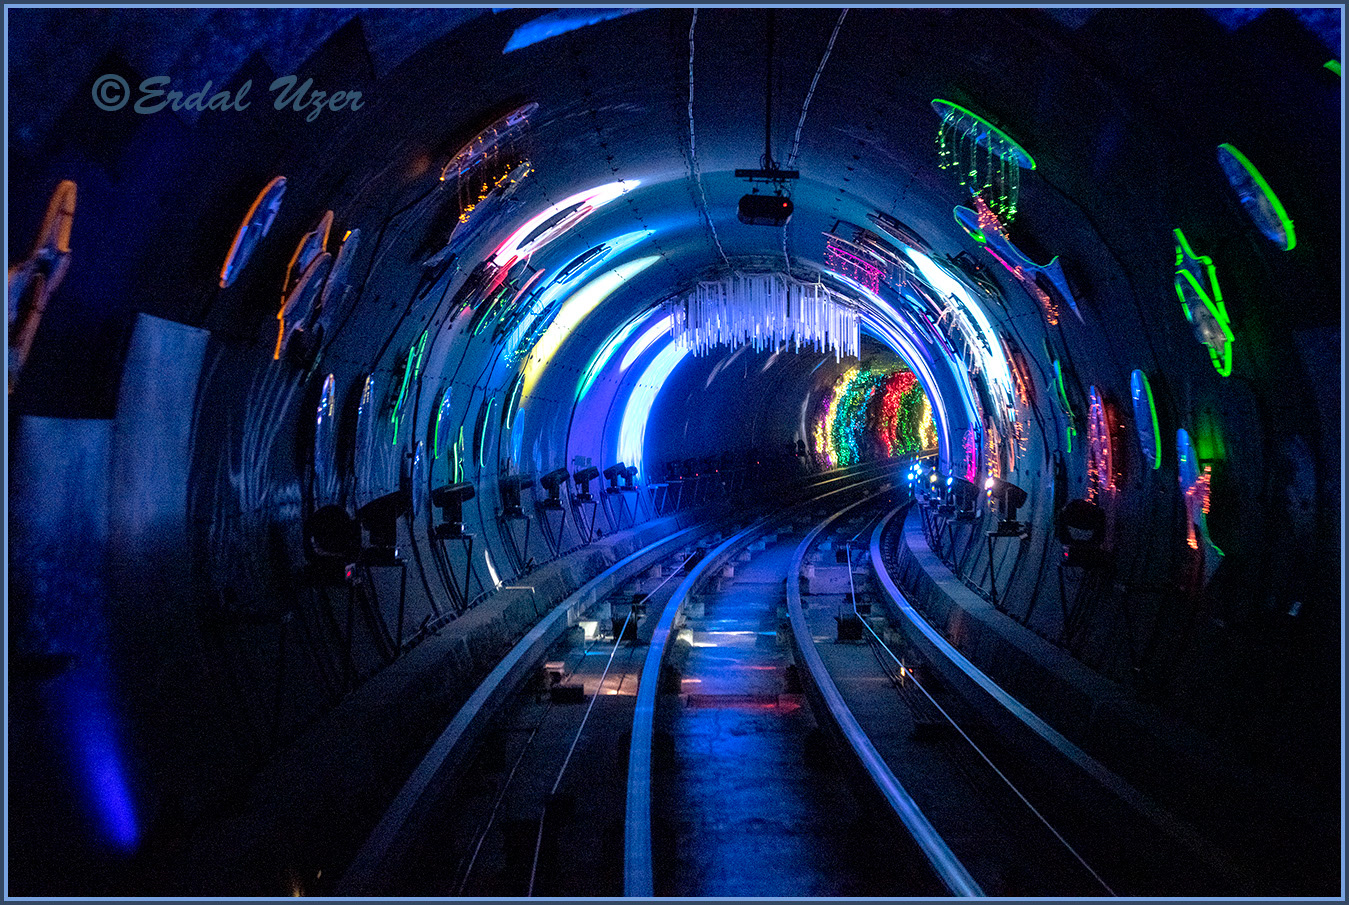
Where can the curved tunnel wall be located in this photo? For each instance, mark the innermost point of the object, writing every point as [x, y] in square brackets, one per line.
[1123, 113]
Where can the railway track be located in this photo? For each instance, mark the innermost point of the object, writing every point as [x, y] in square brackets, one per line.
[743, 711]
[506, 747]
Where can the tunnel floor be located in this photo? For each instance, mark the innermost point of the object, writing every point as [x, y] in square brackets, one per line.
[753, 804]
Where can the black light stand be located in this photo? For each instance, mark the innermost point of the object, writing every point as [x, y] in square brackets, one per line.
[512, 489]
[553, 482]
[450, 501]
[1009, 499]
[583, 498]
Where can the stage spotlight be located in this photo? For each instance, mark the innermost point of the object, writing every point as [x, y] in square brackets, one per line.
[380, 518]
[552, 482]
[511, 487]
[450, 501]
[612, 474]
[583, 479]
[1010, 498]
[629, 476]
[333, 534]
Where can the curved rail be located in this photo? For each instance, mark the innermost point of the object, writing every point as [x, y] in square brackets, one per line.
[1159, 816]
[638, 871]
[948, 868]
[392, 836]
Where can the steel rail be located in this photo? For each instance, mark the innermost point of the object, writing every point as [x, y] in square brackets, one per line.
[948, 868]
[1160, 817]
[638, 869]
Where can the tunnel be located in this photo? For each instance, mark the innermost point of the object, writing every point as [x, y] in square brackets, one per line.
[351, 350]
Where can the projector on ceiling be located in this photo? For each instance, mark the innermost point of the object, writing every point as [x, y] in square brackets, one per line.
[765, 210]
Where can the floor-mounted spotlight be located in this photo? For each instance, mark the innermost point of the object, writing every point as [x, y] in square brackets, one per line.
[450, 500]
[553, 482]
[583, 497]
[380, 517]
[1008, 498]
[612, 474]
[512, 488]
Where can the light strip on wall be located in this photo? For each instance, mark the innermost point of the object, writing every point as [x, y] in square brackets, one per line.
[644, 342]
[573, 311]
[601, 358]
[989, 349]
[585, 203]
[632, 432]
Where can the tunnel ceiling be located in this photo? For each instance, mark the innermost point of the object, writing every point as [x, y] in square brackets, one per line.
[613, 106]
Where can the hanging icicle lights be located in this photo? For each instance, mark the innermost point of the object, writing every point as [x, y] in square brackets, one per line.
[873, 412]
[768, 311]
[988, 162]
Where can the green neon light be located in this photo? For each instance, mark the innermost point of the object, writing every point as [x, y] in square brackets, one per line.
[975, 233]
[496, 300]
[943, 107]
[421, 348]
[514, 404]
[442, 413]
[1070, 430]
[1263, 208]
[1142, 393]
[1333, 66]
[481, 440]
[1190, 269]
[458, 459]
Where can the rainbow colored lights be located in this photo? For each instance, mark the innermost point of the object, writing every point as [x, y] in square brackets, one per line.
[872, 413]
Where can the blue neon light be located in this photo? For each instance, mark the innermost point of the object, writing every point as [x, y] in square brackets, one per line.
[632, 433]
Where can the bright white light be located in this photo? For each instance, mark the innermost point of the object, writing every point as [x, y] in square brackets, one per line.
[589, 201]
[991, 358]
[491, 569]
[573, 311]
[632, 432]
[644, 342]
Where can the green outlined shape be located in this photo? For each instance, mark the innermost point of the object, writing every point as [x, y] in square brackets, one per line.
[1145, 419]
[988, 135]
[1257, 198]
[1201, 299]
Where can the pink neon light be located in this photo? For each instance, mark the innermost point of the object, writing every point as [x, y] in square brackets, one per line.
[841, 260]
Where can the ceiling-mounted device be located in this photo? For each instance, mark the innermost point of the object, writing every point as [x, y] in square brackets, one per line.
[774, 209]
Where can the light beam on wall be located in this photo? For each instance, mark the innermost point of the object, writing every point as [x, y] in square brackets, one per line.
[573, 311]
[632, 432]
